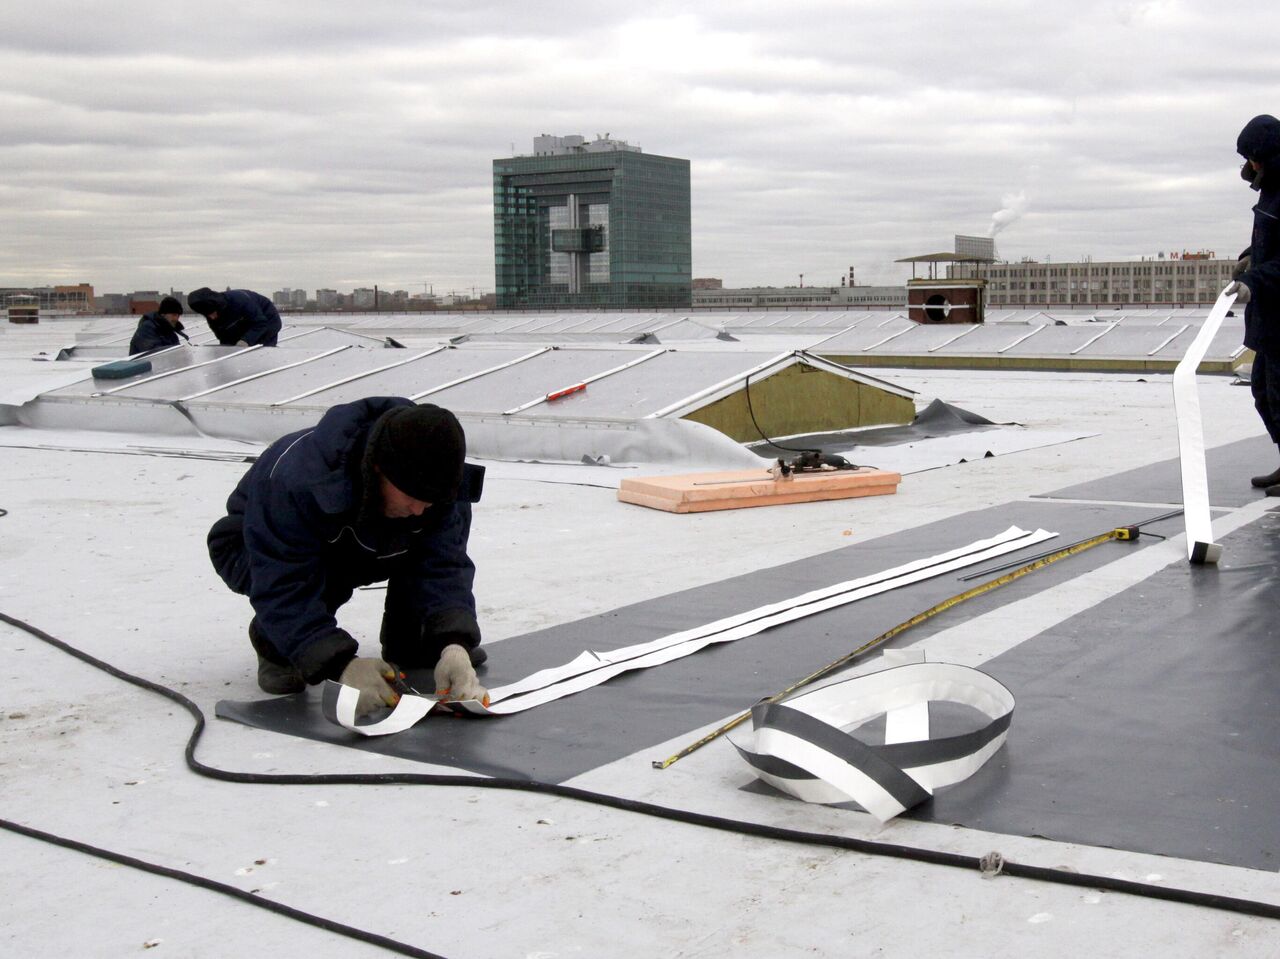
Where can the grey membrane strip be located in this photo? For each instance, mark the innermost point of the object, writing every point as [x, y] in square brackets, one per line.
[633, 712]
[1229, 466]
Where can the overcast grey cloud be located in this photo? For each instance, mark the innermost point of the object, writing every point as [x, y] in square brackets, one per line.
[177, 144]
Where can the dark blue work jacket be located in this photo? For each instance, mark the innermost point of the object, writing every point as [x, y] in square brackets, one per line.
[153, 333]
[1262, 313]
[246, 316]
[310, 530]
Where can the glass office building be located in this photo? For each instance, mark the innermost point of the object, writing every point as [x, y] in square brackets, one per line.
[596, 225]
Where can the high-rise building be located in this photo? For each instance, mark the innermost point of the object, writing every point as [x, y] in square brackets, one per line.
[597, 224]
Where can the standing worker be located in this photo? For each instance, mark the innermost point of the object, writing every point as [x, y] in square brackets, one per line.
[376, 491]
[159, 328]
[1257, 283]
[238, 317]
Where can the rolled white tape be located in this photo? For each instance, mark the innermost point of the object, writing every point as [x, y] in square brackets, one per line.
[800, 746]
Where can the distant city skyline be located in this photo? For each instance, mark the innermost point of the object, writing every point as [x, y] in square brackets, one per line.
[152, 145]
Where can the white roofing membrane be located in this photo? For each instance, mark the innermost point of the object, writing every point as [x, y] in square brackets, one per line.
[107, 552]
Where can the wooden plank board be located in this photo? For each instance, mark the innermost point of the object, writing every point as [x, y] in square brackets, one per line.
[704, 492]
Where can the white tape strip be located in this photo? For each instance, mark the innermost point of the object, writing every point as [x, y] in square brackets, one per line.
[1186, 403]
[592, 668]
[800, 746]
[339, 705]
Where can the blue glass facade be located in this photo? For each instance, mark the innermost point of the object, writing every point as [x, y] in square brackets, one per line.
[597, 230]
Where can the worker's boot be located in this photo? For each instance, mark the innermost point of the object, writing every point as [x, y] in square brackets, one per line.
[1270, 479]
[276, 675]
[1273, 490]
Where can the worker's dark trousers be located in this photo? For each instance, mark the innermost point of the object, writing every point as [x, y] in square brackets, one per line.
[1265, 384]
[410, 638]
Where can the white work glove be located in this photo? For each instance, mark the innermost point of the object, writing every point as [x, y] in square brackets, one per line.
[242, 343]
[1240, 290]
[370, 676]
[456, 677]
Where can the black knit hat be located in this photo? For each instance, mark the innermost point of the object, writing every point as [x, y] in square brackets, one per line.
[420, 450]
[205, 301]
[169, 305]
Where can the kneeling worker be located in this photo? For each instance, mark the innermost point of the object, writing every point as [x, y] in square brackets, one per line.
[376, 491]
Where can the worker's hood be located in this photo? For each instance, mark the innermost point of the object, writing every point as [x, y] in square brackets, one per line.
[205, 301]
[1260, 139]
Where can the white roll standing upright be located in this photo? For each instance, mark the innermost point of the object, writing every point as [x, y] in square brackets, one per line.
[1186, 404]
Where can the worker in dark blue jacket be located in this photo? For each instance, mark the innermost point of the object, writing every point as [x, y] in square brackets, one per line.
[377, 491]
[238, 317]
[159, 328]
[1257, 286]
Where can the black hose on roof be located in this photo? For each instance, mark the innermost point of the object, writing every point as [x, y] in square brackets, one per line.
[989, 865]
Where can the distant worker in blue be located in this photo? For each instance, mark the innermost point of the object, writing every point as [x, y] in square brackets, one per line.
[238, 317]
[160, 328]
[377, 491]
[1257, 283]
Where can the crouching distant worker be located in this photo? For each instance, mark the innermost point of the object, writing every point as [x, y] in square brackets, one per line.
[1257, 282]
[238, 317]
[377, 491]
[159, 328]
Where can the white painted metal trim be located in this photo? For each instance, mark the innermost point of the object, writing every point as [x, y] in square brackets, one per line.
[1019, 340]
[589, 379]
[167, 349]
[485, 372]
[254, 376]
[956, 337]
[181, 369]
[891, 336]
[814, 346]
[831, 366]
[781, 361]
[357, 376]
[1092, 339]
[1164, 343]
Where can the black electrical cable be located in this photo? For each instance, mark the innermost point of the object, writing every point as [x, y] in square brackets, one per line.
[1247, 907]
[763, 435]
[836, 461]
[329, 925]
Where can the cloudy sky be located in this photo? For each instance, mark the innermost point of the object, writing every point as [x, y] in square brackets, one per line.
[149, 145]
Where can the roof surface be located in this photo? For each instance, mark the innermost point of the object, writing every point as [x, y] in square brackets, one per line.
[102, 546]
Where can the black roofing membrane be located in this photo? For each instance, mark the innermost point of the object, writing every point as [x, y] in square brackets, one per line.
[1150, 722]
[636, 711]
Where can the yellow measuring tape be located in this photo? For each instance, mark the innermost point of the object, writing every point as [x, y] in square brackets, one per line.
[1040, 563]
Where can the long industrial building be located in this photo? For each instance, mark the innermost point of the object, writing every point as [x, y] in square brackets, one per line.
[1186, 278]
